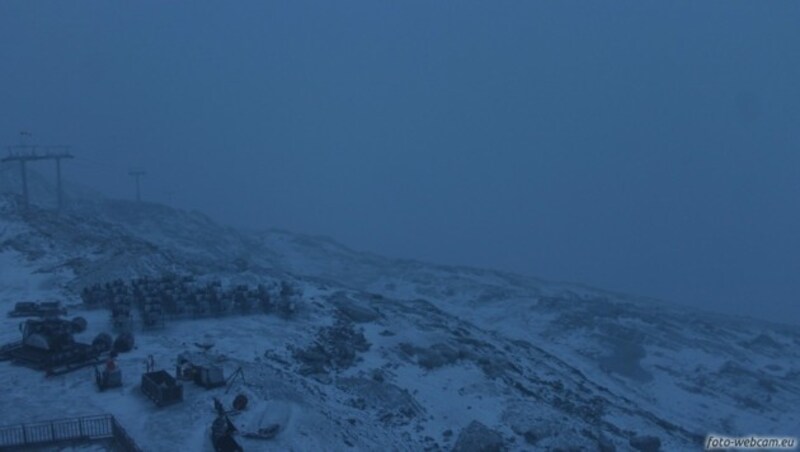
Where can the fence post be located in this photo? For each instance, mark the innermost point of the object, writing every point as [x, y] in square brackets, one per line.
[89, 428]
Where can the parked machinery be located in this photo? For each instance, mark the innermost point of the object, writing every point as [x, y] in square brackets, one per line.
[51, 334]
[155, 301]
[38, 309]
[107, 379]
[110, 376]
[102, 342]
[124, 343]
[49, 344]
[198, 368]
[121, 317]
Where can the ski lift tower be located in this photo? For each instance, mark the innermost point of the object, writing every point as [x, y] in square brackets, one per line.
[137, 174]
[24, 153]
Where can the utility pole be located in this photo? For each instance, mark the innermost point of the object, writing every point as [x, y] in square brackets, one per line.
[24, 153]
[137, 174]
[57, 156]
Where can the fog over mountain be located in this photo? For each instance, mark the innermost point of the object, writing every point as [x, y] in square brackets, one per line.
[642, 147]
[412, 226]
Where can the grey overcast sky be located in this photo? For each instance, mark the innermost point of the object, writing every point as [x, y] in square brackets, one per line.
[644, 146]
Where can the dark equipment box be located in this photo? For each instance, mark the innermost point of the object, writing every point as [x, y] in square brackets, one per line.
[162, 388]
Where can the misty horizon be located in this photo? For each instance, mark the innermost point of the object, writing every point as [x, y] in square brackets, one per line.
[76, 192]
[644, 148]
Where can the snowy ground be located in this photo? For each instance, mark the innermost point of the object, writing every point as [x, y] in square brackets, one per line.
[540, 365]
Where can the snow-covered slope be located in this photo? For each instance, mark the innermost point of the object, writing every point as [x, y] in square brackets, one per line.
[390, 354]
[712, 371]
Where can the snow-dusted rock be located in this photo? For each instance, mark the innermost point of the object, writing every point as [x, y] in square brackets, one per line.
[477, 437]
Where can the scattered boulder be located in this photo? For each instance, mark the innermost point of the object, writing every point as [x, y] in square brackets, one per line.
[546, 428]
[438, 355]
[605, 445]
[763, 342]
[435, 356]
[335, 347]
[354, 310]
[392, 404]
[626, 357]
[646, 443]
[477, 437]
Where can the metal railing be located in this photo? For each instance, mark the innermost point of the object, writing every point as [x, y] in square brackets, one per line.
[122, 439]
[87, 428]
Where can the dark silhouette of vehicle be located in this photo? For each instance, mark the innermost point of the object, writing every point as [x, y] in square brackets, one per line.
[38, 309]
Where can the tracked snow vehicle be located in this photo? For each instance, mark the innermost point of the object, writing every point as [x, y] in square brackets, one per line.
[40, 309]
[49, 344]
